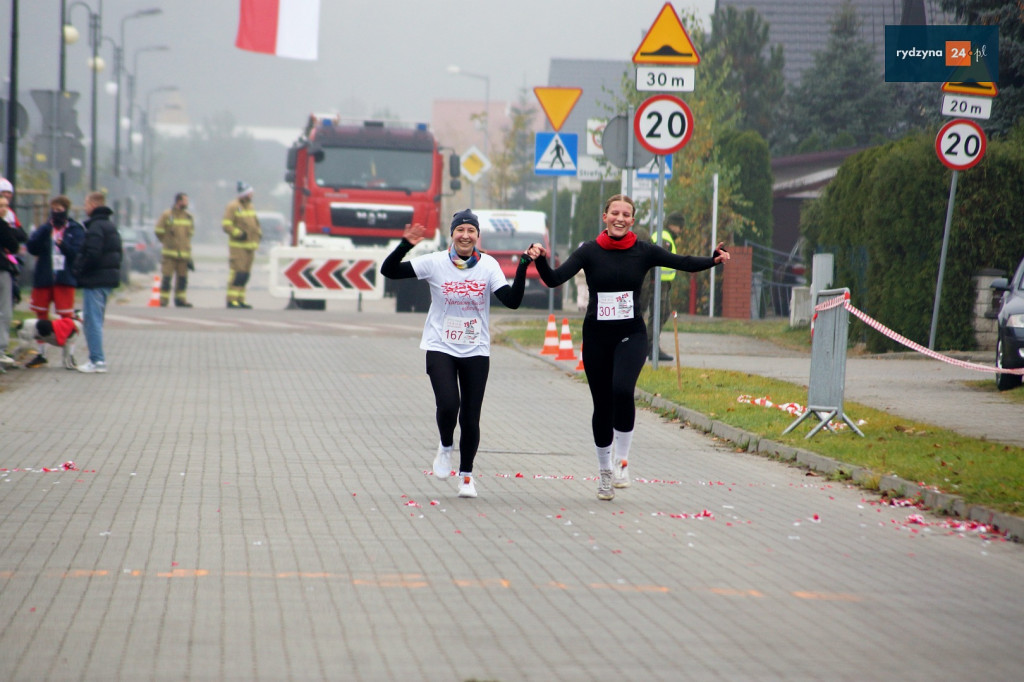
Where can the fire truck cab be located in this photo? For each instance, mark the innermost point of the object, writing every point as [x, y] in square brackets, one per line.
[356, 185]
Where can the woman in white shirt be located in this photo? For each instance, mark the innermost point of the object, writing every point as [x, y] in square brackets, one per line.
[456, 335]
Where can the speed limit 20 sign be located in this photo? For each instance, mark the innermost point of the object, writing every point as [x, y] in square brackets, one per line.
[663, 124]
[960, 144]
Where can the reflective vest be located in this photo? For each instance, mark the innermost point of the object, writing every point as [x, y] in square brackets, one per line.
[241, 225]
[175, 229]
[667, 274]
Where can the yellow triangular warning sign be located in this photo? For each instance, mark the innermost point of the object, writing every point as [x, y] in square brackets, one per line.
[979, 89]
[557, 103]
[667, 42]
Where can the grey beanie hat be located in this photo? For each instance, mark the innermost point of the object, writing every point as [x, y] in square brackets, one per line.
[466, 216]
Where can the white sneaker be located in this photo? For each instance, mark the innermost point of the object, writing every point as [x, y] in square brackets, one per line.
[620, 475]
[604, 487]
[93, 367]
[6, 359]
[466, 487]
[443, 462]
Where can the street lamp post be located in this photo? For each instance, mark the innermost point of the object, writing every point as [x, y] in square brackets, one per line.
[456, 70]
[131, 88]
[70, 35]
[118, 68]
[147, 142]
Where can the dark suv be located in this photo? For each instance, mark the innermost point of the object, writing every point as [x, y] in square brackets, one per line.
[1010, 335]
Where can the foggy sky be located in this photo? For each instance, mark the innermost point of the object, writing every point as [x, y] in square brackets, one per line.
[373, 56]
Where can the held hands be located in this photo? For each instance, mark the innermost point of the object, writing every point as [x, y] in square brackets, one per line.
[536, 251]
[414, 233]
[721, 255]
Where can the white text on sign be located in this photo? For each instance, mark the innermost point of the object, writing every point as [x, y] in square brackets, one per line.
[665, 78]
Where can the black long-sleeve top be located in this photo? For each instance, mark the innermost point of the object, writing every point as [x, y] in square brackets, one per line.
[617, 270]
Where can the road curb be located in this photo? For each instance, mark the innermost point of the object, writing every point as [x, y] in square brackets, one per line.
[933, 500]
[936, 501]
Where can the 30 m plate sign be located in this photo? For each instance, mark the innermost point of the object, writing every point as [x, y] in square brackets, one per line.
[665, 78]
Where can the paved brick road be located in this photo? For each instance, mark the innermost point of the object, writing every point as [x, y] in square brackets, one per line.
[252, 503]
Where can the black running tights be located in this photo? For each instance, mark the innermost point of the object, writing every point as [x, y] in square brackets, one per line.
[459, 385]
[612, 362]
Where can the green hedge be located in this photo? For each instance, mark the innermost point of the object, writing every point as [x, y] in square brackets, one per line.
[883, 217]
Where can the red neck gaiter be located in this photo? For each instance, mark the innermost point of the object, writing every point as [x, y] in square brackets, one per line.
[606, 242]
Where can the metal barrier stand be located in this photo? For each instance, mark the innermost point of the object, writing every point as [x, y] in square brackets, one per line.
[828, 364]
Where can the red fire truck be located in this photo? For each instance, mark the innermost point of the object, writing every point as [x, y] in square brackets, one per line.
[356, 185]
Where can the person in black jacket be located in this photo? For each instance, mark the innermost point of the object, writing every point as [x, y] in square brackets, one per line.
[9, 244]
[98, 271]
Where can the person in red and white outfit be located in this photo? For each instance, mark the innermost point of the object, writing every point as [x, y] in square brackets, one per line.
[55, 244]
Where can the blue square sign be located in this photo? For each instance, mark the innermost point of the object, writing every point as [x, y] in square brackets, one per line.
[555, 154]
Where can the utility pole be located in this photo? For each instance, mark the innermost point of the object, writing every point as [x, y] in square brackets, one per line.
[11, 169]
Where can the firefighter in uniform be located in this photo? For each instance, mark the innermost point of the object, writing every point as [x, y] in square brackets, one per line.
[175, 229]
[244, 235]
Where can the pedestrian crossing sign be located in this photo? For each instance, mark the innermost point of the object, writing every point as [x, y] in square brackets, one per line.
[555, 154]
[650, 171]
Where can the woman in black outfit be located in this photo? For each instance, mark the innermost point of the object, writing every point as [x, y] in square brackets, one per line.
[614, 335]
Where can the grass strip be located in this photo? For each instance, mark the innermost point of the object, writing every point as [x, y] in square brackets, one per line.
[980, 471]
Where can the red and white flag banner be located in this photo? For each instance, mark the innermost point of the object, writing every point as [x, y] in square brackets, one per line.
[285, 28]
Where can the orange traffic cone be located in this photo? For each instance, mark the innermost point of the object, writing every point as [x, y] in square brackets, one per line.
[565, 351]
[580, 367]
[550, 338]
[154, 297]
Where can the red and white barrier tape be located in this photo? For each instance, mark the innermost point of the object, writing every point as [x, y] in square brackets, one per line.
[899, 338]
[794, 409]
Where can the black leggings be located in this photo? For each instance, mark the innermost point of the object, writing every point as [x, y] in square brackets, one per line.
[450, 376]
[612, 362]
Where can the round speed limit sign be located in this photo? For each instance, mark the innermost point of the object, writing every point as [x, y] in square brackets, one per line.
[960, 144]
[663, 124]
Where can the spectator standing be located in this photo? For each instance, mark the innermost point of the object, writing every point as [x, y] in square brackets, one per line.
[175, 229]
[673, 228]
[9, 245]
[98, 269]
[7, 193]
[244, 235]
[55, 244]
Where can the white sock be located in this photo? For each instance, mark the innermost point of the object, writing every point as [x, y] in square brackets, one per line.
[463, 474]
[604, 457]
[623, 439]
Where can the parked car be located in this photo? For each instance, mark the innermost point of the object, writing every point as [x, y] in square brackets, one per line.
[1010, 333]
[276, 229]
[141, 249]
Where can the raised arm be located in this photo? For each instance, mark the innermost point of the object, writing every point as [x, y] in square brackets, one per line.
[560, 275]
[667, 259]
[512, 296]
